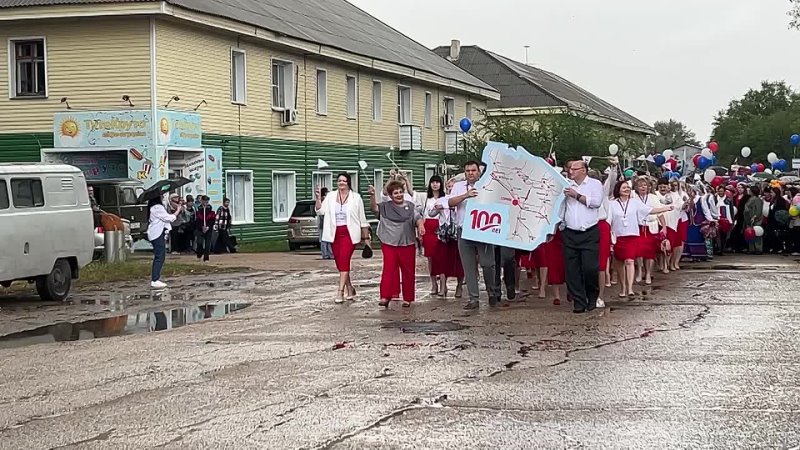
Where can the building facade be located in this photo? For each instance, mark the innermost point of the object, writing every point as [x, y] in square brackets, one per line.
[275, 97]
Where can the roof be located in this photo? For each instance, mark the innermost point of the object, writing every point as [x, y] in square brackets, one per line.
[524, 86]
[21, 168]
[334, 23]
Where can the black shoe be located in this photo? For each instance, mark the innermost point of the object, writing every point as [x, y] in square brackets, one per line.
[591, 308]
[472, 305]
[511, 295]
[493, 301]
[578, 311]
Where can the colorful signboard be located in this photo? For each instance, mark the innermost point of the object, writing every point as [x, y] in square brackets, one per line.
[214, 176]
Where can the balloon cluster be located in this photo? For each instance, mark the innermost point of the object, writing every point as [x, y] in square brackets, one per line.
[670, 175]
[794, 210]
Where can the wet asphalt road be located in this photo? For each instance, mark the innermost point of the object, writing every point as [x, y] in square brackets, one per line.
[707, 358]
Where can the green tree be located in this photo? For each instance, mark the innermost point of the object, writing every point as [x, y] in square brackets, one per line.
[763, 119]
[794, 14]
[672, 134]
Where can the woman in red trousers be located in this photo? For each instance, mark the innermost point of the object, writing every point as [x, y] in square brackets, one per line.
[398, 219]
[434, 248]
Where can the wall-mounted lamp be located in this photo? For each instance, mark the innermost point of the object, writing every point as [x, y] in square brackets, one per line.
[64, 100]
[174, 98]
[126, 98]
[202, 102]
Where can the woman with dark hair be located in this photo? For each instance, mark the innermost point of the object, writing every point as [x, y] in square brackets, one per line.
[695, 246]
[398, 221]
[159, 224]
[345, 225]
[430, 241]
[754, 216]
[736, 239]
[776, 229]
[625, 214]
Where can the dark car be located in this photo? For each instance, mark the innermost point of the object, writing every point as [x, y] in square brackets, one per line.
[118, 197]
[303, 228]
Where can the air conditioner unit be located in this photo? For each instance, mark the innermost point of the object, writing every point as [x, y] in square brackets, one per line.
[288, 117]
[447, 121]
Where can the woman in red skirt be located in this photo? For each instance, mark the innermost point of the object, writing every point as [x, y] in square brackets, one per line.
[624, 215]
[552, 257]
[344, 225]
[650, 244]
[432, 246]
[448, 258]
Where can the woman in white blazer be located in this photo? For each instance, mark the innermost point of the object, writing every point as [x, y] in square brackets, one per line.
[344, 225]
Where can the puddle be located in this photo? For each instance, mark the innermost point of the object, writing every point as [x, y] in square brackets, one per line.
[144, 322]
[424, 327]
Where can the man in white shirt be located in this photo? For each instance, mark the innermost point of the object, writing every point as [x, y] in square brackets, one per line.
[473, 253]
[581, 237]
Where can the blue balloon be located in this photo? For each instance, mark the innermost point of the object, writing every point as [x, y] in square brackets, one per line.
[465, 125]
[660, 160]
[795, 139]
[703, 163]
[674, 175]
[754, 168]
[666, 174]
[781, 165]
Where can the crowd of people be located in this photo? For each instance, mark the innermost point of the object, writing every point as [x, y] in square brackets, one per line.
[614, 230]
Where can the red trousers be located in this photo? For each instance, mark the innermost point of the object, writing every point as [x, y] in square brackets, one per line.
[399, 266]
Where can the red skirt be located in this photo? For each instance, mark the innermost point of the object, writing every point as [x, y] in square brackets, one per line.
[683, 231]
[649, 244]
[430, 241]
[605, 244]
[343, 248]
[626, 248]
[674, 238]
[451, 260]
[554, 260]
[534, 259]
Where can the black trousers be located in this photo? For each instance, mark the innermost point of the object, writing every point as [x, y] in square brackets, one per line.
[505, 261]
[582, 260]
[203, 243]
[224, 243]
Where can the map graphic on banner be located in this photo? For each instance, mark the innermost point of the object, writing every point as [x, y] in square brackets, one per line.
[519, 199]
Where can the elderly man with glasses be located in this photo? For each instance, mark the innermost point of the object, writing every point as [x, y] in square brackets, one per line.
[581, 237]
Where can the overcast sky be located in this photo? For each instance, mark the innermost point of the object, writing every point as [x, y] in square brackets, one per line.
[655, 59]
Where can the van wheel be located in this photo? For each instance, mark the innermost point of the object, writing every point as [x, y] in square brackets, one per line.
[293, 247]
[55, 286]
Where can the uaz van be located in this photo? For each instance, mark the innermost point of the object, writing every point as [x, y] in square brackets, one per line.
[47, 226]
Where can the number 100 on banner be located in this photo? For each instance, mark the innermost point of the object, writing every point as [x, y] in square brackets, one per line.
[485, 223]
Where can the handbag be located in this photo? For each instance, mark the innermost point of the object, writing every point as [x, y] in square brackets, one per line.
[367, 252]
[708, 230]
[447, 232]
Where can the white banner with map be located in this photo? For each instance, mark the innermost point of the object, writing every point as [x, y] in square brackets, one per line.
[519, 199]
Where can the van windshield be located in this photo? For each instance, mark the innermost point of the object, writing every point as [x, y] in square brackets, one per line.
[304, 210]
[128, 195]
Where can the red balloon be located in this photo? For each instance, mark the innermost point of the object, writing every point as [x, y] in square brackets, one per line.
[750, 234]
[761, 167]
[713, 146]
[716, 182]
[696, 158]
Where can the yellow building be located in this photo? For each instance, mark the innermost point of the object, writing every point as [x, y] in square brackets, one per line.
[278, 84]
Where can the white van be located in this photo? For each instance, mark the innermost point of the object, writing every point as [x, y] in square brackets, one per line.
[47, 226]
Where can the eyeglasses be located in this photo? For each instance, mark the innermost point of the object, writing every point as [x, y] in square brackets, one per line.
[575, 169]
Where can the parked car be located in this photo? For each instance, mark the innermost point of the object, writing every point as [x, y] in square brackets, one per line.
[119, 197]
[303, 228]
[47, 226]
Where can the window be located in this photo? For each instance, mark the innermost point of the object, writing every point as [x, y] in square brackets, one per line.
[283, 195]
[428, 110]
[449, 114]
[282, 84]
[430, 170]
[322, 92]
[352, 97]
[4, 204]
[410, 176]
[377, 179]
[377, 101]
[128, 196]
[321, 180]
[354, 180]
[239, 189]
[403, 105]
[27, 192]
[28, 68]
[238, 77]
[469, 110]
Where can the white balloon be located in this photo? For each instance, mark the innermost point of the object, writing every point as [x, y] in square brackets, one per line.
[668, 153]
[768, 171]
[746, 152]
[772, 158]
[707, 153]
[709, 175]
[759, 231]
[613, 149]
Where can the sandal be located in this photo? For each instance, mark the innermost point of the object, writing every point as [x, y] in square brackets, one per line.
[351, 293]
[557, 302]
[339, 296]
[459, 291]
[383, 303]
[406, 304]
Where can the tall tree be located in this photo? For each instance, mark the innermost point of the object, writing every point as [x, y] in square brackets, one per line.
[671, 134]
[763, 119]
[794, 14]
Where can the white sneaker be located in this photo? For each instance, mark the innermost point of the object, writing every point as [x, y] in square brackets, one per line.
[158, 285]
[601, 303]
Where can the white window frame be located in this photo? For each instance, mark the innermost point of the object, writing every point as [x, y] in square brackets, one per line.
[354, 114]
[428, 109]
[410, 119]
[12, 67]
[237, 97]
[288, 84]
[354, 180]
[432, 169]
[322, 96]
[291, 194]
[468, 112]
[377, 179]
[446, 103]
[316, 175]
[249, 214]
[377, 101]
[410, 176]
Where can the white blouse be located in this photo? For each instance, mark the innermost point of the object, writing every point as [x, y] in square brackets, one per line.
[625, 216]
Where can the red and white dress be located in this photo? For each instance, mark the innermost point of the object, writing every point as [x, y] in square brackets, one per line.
[624, 217]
